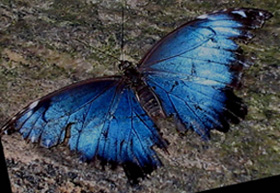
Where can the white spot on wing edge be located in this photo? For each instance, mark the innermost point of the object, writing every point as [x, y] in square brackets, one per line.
[33, 105]
[260, 13]
[48, 143]
[202, 16]
[33, 138]
[239, 12]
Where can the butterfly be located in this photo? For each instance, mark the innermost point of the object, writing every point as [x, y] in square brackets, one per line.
[190, 75]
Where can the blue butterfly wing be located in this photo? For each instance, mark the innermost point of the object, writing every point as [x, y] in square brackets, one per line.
[97, 118]
[194, 69]
[133, 147]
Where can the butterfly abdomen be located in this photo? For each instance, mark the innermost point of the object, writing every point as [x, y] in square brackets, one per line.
[144, 93]
[148, 99]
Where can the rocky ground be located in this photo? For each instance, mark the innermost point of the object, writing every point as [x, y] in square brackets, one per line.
[47, 44]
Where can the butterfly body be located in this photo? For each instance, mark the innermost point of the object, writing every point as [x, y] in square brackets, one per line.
[144, 93]
[189, 74]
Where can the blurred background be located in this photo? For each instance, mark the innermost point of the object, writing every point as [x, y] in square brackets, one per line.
[48, 44]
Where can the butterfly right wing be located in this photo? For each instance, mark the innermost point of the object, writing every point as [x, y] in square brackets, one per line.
[194, 69]
[97, 118]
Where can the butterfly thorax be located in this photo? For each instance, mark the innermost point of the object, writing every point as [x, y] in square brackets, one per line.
[131, 74]
[144, 93]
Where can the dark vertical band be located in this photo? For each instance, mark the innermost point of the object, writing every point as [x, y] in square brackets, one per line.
[5, 181]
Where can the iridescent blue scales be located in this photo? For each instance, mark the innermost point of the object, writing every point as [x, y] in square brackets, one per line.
[194, 69]
[189, 74]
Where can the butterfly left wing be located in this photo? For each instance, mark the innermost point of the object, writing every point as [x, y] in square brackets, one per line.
[195, 68]
[97, 118]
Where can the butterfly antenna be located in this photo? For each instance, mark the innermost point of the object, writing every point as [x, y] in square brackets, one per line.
[122, 31]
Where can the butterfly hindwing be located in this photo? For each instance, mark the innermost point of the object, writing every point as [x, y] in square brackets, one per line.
[98, 118]
[195, 68]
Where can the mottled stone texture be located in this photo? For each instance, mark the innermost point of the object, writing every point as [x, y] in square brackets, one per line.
[47, 44]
